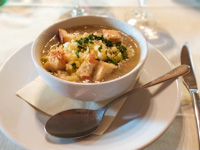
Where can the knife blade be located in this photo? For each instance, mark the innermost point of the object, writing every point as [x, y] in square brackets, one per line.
[190, 82]
[189, 78]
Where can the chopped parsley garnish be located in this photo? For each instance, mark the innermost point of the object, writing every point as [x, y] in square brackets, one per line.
[90, 37]
[113, 61]
[118, 44]
[81, 47]
[99, 37]
[124, 56]
[83, 43]
[80, 41]
[91, 42]
[100, 47]
[85, 40]
[74, 66]
[122, 49]
[77, 53]
[108, 43]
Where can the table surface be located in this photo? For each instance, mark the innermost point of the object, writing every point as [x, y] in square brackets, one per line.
[177, 22]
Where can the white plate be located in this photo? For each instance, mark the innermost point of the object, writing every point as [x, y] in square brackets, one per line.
[144, 117]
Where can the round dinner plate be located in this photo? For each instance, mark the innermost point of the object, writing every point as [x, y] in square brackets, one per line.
[143, 118]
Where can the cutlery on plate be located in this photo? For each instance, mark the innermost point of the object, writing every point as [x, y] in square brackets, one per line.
[76, 123]
[190, 82]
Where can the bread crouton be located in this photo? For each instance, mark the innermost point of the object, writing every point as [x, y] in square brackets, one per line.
[85, 70]
[63, 36]
[111, 35]
[56, 61]
[102, 70]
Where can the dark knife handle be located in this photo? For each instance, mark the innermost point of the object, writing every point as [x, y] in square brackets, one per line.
[196, 99]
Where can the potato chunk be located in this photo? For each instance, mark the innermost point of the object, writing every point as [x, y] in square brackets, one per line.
[56, 61]
[112, 35]
[63, 36]
[102, 70]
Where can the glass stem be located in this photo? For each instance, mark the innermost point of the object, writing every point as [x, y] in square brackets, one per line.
[78, 11]
[142, 3]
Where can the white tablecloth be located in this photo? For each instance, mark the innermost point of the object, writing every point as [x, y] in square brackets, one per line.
[178, 22]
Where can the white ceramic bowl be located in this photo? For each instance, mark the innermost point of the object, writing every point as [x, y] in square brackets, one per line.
[89, 91]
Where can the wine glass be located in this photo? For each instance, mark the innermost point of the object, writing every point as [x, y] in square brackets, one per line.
[141, 18]
[77, 10]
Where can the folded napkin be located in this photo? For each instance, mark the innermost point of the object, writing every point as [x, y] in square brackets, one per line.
[40, 96]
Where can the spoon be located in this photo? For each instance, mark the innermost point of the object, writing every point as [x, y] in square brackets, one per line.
[77, 123]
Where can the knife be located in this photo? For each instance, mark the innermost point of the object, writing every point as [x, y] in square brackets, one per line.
[190, 82]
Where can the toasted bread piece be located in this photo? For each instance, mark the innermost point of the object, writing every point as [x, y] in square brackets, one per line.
[56, 61]
[86, 69]
[111, 35]
[102, 70]
[63, 36]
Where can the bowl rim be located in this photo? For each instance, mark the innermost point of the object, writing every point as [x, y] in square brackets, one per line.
[140, 63]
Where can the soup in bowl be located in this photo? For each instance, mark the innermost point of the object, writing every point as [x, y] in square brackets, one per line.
[90, 60]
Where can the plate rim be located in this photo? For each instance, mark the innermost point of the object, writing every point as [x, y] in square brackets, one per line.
[178, 93]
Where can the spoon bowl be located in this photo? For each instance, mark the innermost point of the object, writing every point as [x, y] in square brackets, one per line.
[74, 123]
[77, 123]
